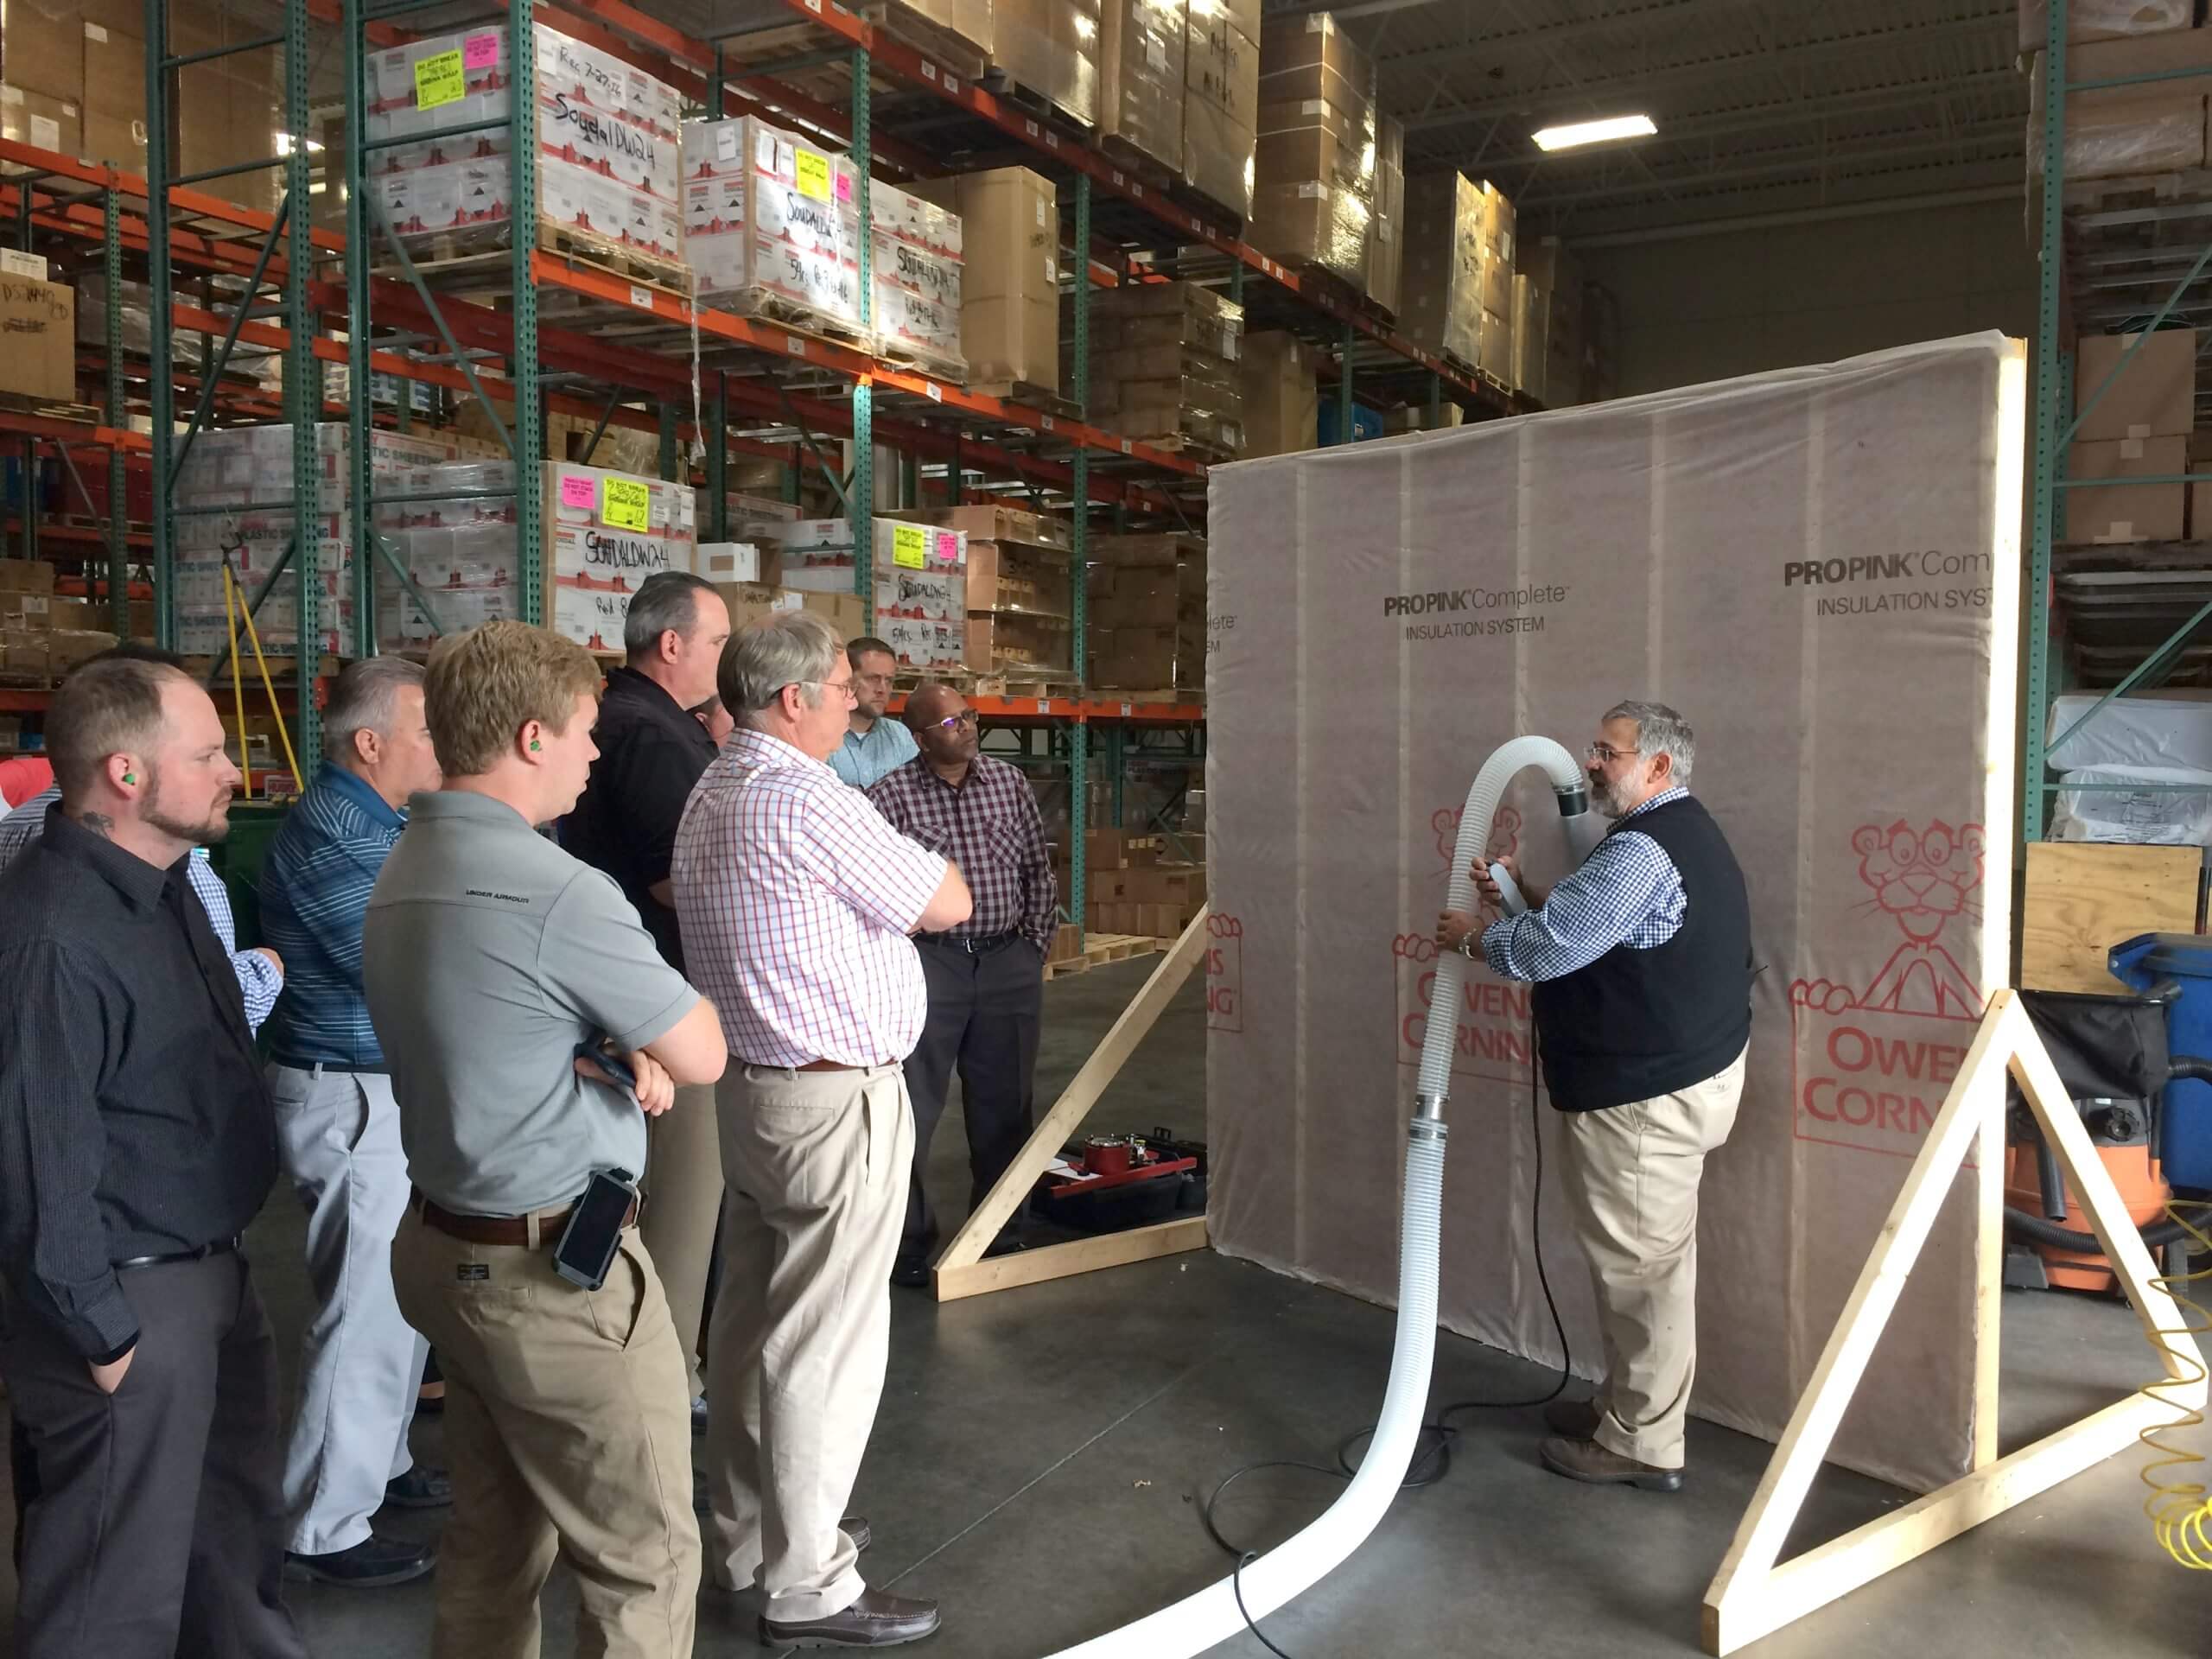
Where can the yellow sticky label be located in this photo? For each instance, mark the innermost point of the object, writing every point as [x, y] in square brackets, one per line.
[625, 504]
[814, 174]
[440, 79]
[909, 546]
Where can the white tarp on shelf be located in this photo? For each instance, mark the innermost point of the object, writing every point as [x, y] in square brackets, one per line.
[2156, 732]
[2159, 810]
[1819, 568]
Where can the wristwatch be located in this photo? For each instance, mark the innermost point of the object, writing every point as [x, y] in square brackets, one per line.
[1468, 942]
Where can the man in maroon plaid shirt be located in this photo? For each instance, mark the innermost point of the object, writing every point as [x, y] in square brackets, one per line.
[986, 977]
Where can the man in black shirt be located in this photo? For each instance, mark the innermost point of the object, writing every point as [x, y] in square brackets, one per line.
[137, 1141]
[652, 748]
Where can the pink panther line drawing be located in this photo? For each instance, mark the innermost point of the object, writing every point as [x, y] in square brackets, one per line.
[1921, 879]
[1505, 832]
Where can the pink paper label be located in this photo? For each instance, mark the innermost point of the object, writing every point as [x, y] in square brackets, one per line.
[480, 51]
[844, 186]
[578, 491]
[948, 546]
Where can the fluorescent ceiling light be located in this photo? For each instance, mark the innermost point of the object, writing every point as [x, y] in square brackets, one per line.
[1595, 132]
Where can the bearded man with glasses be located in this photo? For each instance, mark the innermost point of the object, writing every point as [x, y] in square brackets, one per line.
[986, 975]
[1642, 961]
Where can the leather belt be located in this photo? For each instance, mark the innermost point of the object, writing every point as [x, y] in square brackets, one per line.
[974, 945]
[324, 1067]
[502, 1229]
[219, 1247]
[812, 1066]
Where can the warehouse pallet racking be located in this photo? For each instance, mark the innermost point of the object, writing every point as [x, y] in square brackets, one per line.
[2120, 255]
[554, 329]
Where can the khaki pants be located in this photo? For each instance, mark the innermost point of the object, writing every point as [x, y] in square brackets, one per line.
[817, 1164]
[683, 1197]
[568, 1429]
[1631, 1174]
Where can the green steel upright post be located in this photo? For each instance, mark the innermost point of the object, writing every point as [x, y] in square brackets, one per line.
[29, 520]
[1345, 433]
[160, 383]
[360, 490]
[1078, 584]
[2049, 418]
[530, 410]
[118, 500]
[303, 397]
[718, 461]
[860, 499]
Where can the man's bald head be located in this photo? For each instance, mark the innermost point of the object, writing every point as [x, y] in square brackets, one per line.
[928, 703]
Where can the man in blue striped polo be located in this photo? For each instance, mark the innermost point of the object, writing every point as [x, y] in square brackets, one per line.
[338, 1135]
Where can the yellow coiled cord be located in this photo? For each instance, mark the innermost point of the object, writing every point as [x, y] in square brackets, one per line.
[2181, 1510]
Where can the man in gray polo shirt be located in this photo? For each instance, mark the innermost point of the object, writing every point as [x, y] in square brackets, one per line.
[491, 961]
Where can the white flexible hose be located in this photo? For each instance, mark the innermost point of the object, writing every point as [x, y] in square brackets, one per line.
[1459, 890]
[1197, 1621]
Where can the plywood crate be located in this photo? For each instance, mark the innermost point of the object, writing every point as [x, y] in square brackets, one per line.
[2083, 898]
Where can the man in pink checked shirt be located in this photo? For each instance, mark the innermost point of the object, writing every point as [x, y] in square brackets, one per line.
[796, 900]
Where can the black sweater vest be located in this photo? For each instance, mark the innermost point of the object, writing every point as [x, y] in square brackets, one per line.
[1634, 1024]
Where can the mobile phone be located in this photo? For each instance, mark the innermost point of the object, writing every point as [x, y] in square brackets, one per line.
[614, 1065]
[595, 1230]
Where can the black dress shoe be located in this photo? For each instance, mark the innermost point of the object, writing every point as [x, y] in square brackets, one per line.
[876, 1620]
[910, 1271]
[421, 1488]
[374, 1561]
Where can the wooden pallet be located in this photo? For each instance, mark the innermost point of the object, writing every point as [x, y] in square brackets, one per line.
[1169, 694]
[952, 370]
[49, 409]
[1006, 90]
[1013, 683]
[1029, 395]
[1099, 949]
[450, 260]
[1149, 169]
[758, 51]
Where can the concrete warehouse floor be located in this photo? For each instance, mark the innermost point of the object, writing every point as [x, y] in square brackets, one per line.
[1041, 1454]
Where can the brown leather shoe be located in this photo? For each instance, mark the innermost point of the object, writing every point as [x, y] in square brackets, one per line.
[876, 1620]
[1577, 1419]
[1587, 1461]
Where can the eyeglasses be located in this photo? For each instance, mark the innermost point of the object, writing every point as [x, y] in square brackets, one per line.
[844, 686]
[1604, 754]
[952, 723]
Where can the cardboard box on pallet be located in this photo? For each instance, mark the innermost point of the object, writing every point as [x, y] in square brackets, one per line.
[608, 171]
[1220, 99]
[1532, 302]
[2200, 495]
[1386, 249]
[1314, 177]
[1010, 289]
[115, 84]
[1311, 56]
[754, 602]
[916, 274]
[1051, 47]
[1169, 369]
[2154, 127]
[994, 523]
[771, 224]
[1146, 613]
[1002, 642]
[607, 532]
[26, 576]
[39, 321]
[459, 553]
[1142, 54]
[1281, 394]
[2102, 19]
[1559, 341]
[1014, 576]
[1441, 299]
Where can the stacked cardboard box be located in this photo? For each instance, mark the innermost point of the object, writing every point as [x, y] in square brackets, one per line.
[1146, 613]
[607, 168]
[1458, 293]
[1051, 47]
[746, 518]
[1557, 275]
[2102, 19]
[920, 580]
[1221, 98]
[234, 468]
[39, 319]
[915, 273]
[1021, 589]
[605, 532]
[1163, 365]
[1130, 888]
[1314, 185]
[1386, 250]
[1010, 283]
[2154, 127]
[76, 83]
[1142, 53]
[2138, 427]
[752, 602]
[1281, 394]
[771, 225]
[461, 553]
[1532, 303]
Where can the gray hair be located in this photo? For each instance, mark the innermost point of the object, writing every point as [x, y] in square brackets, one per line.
[364, 698]
[1659, 730]
[663, 601]
[791, 648]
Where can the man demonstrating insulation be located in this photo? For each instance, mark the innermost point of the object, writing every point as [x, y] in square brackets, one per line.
[1642, 966]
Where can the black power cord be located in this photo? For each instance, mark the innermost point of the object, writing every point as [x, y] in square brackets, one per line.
[1432, 1458]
